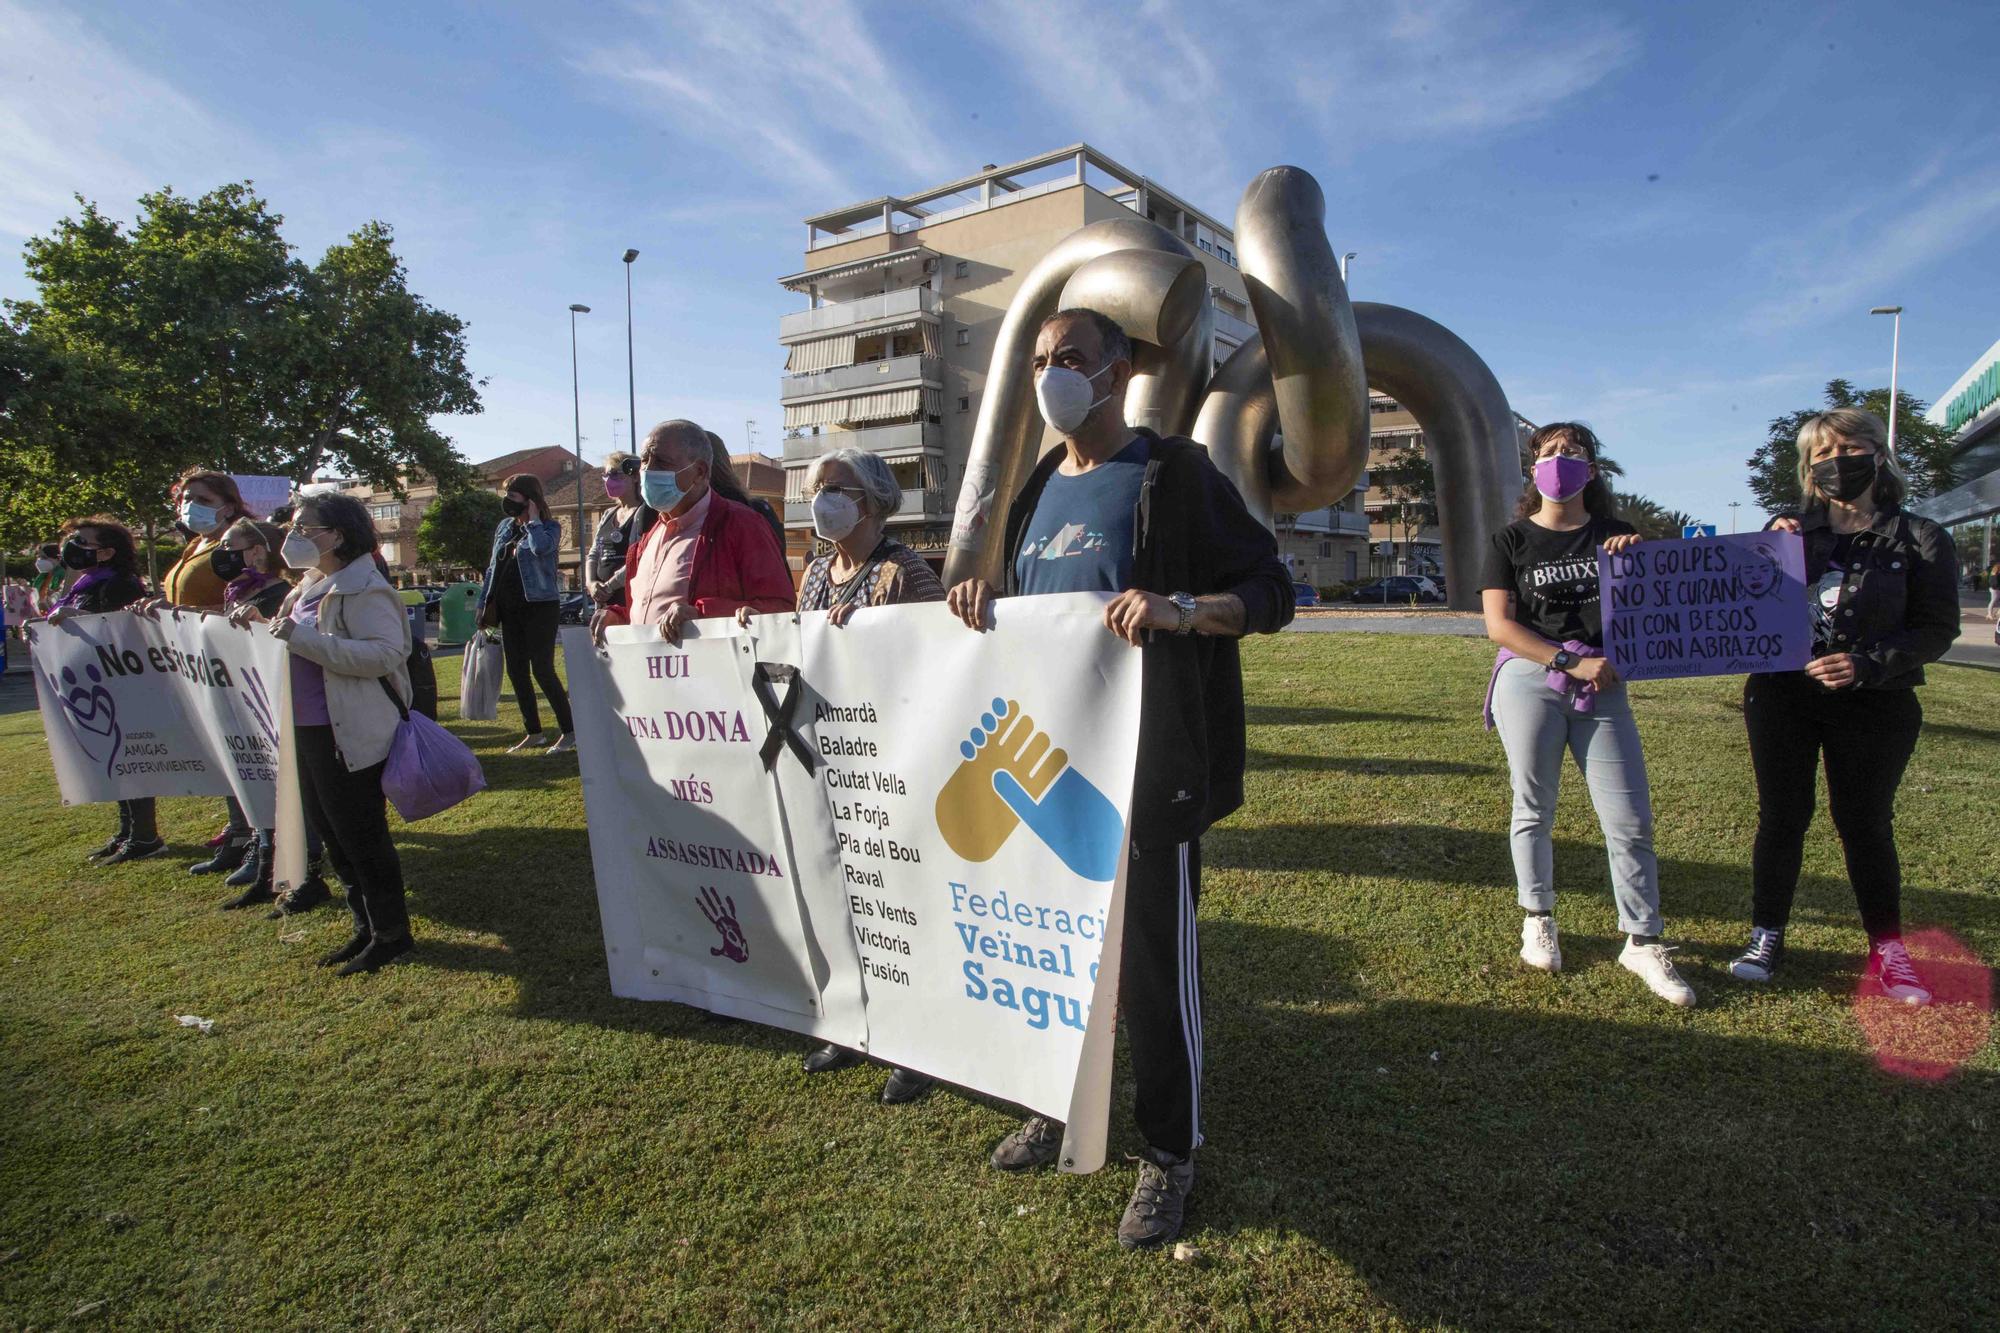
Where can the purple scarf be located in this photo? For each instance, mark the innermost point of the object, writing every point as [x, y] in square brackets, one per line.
[1582, 694]
[242, 586]
[87, 580]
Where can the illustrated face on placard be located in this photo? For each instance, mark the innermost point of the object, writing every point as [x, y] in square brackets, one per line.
[1760, 571]
[1012, 775]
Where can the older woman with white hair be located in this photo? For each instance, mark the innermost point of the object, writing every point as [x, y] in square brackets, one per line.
[853, 494]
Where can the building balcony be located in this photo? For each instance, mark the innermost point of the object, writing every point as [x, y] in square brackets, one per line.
[1232, 330]
[909, 437]
[854, 315]
[1327, 523]
[864, 378]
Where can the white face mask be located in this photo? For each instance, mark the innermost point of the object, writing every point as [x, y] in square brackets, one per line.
[1064, 397]
[835, 515]
[45, 565]
[300, 551]
[199, 517]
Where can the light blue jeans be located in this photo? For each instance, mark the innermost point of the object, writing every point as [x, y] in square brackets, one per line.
[1536, 724]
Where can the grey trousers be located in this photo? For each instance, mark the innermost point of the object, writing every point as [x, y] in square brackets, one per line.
[1536, 725]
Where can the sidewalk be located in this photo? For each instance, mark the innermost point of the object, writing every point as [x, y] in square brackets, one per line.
[1975, 646]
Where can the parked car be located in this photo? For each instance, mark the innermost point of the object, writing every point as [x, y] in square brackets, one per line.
[1397, 590]
[1304, 594]
[573, 609]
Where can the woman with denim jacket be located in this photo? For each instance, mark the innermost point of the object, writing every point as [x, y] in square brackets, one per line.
[522, 597]
[1883, 585]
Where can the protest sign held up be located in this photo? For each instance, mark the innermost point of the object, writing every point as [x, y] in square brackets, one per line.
[1706, 606]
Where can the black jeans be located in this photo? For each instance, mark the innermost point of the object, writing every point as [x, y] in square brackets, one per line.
[138, 819]
[1866, 738]
[351, 815]
[1159, 994]
[528, 641]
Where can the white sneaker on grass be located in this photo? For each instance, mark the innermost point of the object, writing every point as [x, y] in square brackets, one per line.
[1652, 965]
[1538, 943]
[565, 744]
[528, 744]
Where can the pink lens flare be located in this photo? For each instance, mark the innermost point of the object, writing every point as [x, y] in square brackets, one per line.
[1930, 1042]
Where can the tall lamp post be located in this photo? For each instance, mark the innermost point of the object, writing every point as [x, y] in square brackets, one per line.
[1345, 260]
[1734, 505]
[1895, 351]
[576, 400]
[631, 383]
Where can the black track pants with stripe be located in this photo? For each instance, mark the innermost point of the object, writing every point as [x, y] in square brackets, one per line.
[1159, 994]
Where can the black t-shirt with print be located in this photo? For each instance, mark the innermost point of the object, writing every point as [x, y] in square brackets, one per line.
[1552, 576]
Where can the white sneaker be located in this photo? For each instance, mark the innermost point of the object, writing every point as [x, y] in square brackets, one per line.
[565, 744]
[1651, 963]
[527, 743]
[1890, 966]
[1538, 943]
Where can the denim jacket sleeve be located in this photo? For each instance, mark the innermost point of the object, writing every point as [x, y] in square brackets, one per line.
[543, 536]
[1930, 610]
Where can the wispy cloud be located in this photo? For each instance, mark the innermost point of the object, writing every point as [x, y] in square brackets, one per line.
[77, 117]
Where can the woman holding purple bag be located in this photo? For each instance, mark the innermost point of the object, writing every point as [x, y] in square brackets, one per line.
[349, 641]
[1554, 691]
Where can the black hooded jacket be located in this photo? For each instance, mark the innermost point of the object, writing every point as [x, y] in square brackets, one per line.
[1192, 534]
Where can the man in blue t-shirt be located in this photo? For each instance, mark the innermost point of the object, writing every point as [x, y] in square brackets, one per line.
[1149, 519]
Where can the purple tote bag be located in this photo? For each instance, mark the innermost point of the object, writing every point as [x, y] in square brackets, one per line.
[429, 769]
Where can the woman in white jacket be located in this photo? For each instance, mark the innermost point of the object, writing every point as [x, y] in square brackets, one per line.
[349, 640]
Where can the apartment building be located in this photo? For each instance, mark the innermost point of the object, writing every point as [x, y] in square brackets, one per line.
[904, 299]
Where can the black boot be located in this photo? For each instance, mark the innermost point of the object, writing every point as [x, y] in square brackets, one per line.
[228, 856]
[256, 884]
[349, 951]
[379, 954]
[829, 1058]
[302, 899]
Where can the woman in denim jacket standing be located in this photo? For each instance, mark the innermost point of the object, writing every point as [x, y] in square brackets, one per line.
[1883, 585]
[521, 597]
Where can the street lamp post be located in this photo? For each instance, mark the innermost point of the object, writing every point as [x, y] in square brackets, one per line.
[1895, 351]
[631, 382]
[576, 401]
[1734, 505]
[1345, 260]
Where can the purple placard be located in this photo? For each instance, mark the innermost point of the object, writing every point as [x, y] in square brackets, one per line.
[1706, 606]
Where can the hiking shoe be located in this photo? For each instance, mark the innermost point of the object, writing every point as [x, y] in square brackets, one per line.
[528, 744]
[1890, 967]
[1159, 1201]
[379, 954]
[133, 850]
[1651, 963]
[349, 951]
[302, 899]
[108, 849]
[1036, 1143]
[565, 744]
[828, 1058]
[229, 856]
[1538, 943]
[905, 1086]
[1759, 962]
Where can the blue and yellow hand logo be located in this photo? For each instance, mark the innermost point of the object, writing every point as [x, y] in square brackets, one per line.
[1012, 776]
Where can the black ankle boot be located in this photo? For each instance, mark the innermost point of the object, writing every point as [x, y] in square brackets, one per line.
[379, 954]
[348, 951]
[302, 899]
[228, 856]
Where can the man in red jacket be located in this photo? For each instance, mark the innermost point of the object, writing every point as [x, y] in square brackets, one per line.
[706, 556]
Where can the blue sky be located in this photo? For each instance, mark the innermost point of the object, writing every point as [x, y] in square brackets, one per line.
[1668, 220]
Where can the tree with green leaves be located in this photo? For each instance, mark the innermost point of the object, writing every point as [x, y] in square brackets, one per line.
[195, 338]
[1409, 484]
[457, 529]
[1922, 447]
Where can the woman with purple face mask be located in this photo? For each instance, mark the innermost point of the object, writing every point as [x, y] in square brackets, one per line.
[1553, 691]
[604, 572]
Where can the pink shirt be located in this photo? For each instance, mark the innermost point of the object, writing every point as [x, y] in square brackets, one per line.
[661, 578]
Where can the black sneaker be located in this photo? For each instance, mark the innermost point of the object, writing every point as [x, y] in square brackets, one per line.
[1760, 961]
[348, 951]
[108, 849]
[379, 954]
[228, 856]
[1159, 1201]
[828, 1058]
[905, 1086]
[302, 899]
[133, 850]
[1036, 1143]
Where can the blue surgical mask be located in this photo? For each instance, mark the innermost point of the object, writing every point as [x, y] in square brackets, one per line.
[200, 517]
[660, 489]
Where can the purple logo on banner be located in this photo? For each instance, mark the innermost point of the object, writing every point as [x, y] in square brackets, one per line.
[1706, 606]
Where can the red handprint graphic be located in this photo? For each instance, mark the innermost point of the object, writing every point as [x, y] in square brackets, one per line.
[721, 913]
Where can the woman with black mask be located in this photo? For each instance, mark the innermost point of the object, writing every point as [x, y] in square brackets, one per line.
[522, 598]
[1883, 585]
[105, 560]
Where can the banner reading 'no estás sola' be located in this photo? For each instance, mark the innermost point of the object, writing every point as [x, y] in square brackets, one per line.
[898, 835]
[185, 705]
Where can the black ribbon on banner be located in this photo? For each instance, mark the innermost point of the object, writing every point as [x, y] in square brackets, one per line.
[778, 712]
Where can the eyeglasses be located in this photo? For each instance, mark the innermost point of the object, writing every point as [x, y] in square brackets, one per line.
[855, 491]
[309, 527]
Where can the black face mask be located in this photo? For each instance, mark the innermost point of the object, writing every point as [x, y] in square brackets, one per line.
[78, 556]
[1844, 477]
[226, 563]
[514, 508]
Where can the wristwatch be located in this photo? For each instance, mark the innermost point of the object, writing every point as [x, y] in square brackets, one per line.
[1563, 660]
[1184, 604]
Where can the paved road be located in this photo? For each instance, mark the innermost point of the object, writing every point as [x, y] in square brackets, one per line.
[1975, 646]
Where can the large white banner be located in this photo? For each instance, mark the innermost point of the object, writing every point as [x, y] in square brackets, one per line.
[897, 835]
[185, 705]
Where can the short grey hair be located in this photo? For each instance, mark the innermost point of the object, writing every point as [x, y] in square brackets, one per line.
[877, 481]
[684, 435]
[1116, 343]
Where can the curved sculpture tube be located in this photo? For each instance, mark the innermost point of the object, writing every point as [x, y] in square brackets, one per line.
[1239, 414]
[1009, 425]
[1468, 428]
[1161, 300]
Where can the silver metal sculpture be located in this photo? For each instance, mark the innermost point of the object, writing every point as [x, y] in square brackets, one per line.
[1286, 416]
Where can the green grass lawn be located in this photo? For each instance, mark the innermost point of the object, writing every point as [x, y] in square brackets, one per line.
[1406, 1126]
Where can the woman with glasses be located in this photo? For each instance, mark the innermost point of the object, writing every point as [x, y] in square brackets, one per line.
[1554, 692]
[853, 494]
[105, 560]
